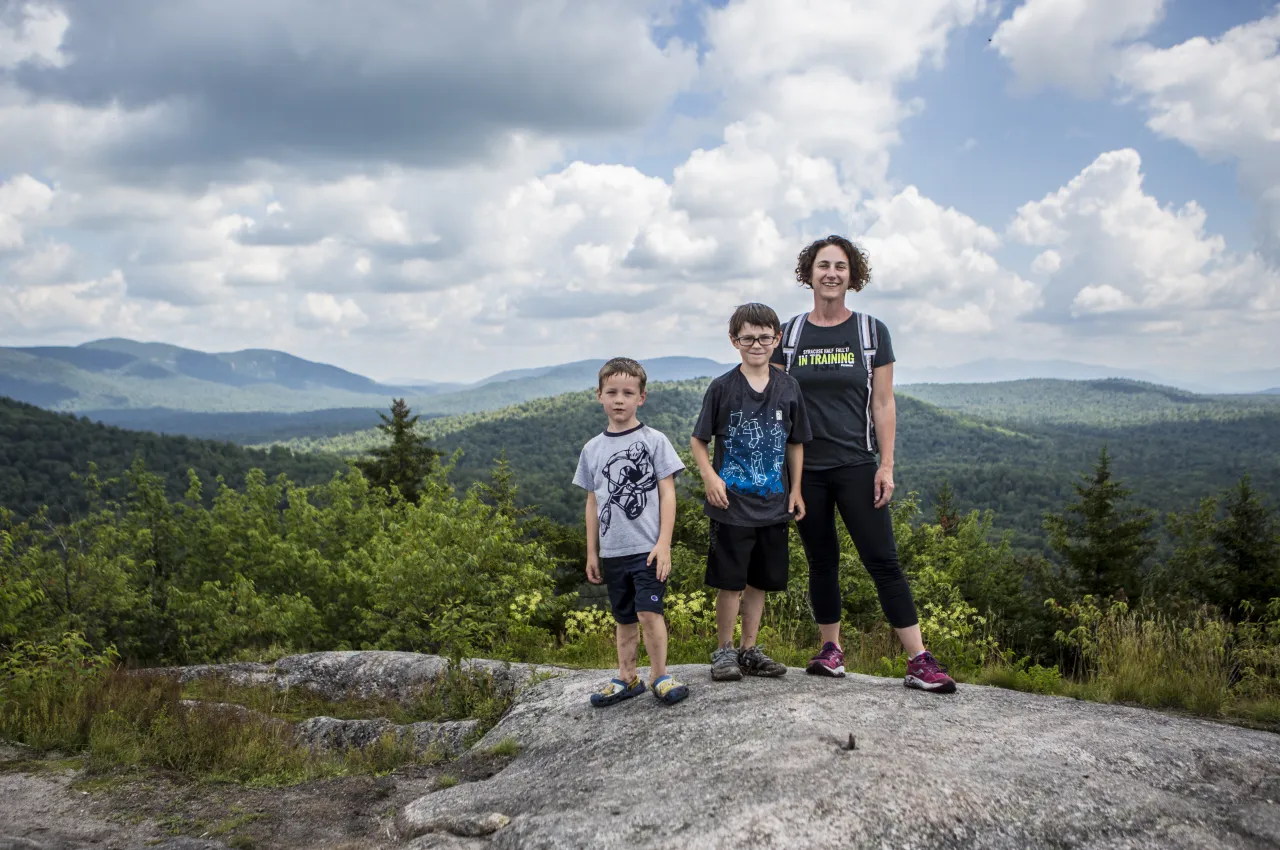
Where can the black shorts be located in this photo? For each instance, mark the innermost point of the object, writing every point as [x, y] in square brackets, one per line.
[742, 555]
[633, 586]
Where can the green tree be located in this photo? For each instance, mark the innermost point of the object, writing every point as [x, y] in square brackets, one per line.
[1102, 541]
[944, 509]
[1249, 547]
[501, 490]
[406, 462]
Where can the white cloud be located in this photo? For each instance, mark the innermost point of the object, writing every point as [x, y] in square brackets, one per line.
[1046, 262]
[1072, 44]
[1221, 97]
[320, 309]
[33, 34]
[1118, 251]
[22, 198]
[524, 256]
[941, 262]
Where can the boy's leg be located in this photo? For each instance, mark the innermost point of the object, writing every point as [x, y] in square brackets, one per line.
[655, 642]
[650, 595]
[728, 554]
[752, 611]
[726, 616]
[628, 650]
[768, 571]
[622, 601]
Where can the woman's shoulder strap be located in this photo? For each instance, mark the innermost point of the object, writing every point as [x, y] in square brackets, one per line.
[791, 338]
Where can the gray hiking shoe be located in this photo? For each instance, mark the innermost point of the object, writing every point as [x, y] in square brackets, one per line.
[753, 662]
[724, 665]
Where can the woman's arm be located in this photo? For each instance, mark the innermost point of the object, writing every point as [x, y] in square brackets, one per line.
[884, 415]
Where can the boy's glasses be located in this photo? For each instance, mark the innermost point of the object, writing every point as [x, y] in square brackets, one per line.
[749, 341]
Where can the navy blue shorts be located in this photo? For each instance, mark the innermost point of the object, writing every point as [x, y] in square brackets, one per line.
[633, 586]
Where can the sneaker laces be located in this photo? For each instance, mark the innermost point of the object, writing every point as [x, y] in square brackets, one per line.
[927, 660]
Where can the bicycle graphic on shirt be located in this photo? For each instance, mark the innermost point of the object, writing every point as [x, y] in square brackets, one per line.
[631, 478]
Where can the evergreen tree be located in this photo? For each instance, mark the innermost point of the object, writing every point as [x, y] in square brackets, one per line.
[944, 510]
[502, 489]
[1248, 543]
[406, 462]
[1102, 542]
[1194, 572]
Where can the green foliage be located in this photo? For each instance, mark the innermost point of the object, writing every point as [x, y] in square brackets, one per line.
[1227, 554]
[1017, 467]
[1152, 659]
[1114, 402]
[404, 464]
[68, 697]
[42, 452]
[275, 565]
[1103, 543]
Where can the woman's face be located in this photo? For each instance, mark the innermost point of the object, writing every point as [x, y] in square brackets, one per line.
[830, 278]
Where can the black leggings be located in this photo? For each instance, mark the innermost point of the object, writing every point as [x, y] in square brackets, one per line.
[852, 490]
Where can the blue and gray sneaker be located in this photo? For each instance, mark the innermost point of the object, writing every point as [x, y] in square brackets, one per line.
[616, 691]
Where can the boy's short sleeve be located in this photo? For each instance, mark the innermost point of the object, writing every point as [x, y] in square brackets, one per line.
[705, 428]
[667, 461]
[583, 477]
[801, 432]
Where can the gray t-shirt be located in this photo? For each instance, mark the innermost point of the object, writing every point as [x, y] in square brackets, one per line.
[751, 431]
[624, 470]
[828, 366]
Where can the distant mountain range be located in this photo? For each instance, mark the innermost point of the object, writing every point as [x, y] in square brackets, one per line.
[158, 386]
[140, 384]
[1004, 369]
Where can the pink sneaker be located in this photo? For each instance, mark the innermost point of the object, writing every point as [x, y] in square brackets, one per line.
[828, 662]
[924, 672]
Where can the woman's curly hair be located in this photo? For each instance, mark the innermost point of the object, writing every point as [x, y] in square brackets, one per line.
[859, 264]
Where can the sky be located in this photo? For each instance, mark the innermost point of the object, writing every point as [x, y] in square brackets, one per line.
[447, 190]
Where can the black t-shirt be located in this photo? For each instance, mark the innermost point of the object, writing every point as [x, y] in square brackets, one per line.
[751, 433]
[833, 380]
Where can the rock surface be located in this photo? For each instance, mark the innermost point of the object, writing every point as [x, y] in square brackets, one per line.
[764, 763]
[449, 739]
[342, 675]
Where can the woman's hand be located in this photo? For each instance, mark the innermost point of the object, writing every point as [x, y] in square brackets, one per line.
[884, 485]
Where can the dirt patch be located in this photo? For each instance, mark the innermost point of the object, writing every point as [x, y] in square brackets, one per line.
[57, 803]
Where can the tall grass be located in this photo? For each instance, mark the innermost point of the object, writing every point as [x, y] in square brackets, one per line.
[64, 697]
[1200, 662]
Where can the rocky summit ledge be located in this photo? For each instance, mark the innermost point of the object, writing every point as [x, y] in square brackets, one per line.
[355, 673]
[754, 764]
[766, 763]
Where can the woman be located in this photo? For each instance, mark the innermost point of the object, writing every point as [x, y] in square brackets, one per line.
[844, 363]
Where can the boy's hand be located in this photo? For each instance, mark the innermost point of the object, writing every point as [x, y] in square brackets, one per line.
[593, 570]
[717, 493]
[795, 506]
[661, 554]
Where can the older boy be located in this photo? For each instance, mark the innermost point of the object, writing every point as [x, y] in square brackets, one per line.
[629, 473]
[758, 419]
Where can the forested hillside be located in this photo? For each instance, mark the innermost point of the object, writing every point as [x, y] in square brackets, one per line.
[40, 450]
[1020, 470]
[1112, 402]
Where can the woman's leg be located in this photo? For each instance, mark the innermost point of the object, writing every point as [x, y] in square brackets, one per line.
[872, 531]
[822, 550]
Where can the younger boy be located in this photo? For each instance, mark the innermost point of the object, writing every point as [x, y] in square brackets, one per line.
[629, 473]
[758, 419]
